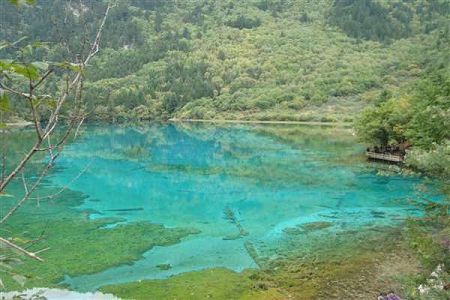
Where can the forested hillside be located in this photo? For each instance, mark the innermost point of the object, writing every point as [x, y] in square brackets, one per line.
[295, 60]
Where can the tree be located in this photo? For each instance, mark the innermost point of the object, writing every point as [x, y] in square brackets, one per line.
[384, 123]
[431, 106]
[25, 80]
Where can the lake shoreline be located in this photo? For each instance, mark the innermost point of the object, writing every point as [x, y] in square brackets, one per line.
[235, 121]
[23, 124]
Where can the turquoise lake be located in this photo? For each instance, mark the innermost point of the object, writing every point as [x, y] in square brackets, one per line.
[246, 188]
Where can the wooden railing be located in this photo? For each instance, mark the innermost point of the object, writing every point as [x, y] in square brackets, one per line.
[385, 156]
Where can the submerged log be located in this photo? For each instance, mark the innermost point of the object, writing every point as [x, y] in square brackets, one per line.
[251, 250]
[125, 209]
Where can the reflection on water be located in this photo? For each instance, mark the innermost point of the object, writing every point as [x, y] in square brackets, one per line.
[252, 190]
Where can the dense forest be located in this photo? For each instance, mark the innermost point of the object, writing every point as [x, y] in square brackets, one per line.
[296, 60]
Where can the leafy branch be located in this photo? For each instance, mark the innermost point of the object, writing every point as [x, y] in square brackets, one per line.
[34, 75]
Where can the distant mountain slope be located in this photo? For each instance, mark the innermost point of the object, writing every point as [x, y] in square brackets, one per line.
[257, 59]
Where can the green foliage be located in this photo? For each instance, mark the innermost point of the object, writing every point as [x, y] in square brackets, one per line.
[263, 59]
[430, 122]
[369, 19]
[387, 20]
[4, 102]
[420, 114]
[24, 75]
[422, 119]
[21, 2]
[435, 161]
[384, 124]
[243, 21]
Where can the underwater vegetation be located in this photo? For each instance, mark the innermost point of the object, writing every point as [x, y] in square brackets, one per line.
[136, 152]
[307, 227]
[77, 245]
[353, 266]
[206, 284]
[246, 212]
[231, 217]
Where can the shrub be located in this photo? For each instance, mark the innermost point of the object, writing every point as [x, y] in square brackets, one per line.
[435, 161]
[244, 22]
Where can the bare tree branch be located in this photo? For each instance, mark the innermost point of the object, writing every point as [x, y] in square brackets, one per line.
[35, 86]
[13, 91]
[54, 117]
[20, 166]
[65, 187]
[4, 153]
[20, 249]
[44, 173]
[24, 183]
[44, 134]
[34, 113]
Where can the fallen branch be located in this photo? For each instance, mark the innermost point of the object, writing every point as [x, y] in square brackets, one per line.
[20, 249]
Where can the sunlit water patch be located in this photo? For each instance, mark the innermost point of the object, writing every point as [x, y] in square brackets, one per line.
[248, 189]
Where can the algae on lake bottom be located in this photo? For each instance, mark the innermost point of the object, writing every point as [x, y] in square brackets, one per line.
[360, 266]
[315, 223]
[207, 284]
[77, 245]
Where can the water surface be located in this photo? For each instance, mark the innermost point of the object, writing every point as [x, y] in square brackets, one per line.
[248, 188]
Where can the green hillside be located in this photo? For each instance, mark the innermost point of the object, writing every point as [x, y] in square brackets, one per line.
[296, 60]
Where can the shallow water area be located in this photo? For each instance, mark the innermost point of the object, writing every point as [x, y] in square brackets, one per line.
[249, 189]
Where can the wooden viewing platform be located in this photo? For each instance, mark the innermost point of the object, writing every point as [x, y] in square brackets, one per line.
[397, 158]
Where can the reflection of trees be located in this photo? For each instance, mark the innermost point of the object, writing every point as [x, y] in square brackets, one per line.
[267, 154]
